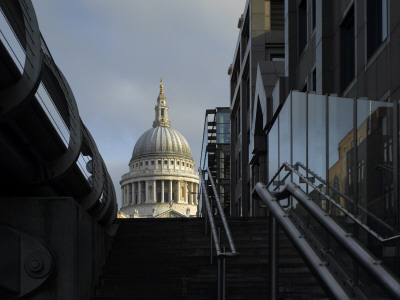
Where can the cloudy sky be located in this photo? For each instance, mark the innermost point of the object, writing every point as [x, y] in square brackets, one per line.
[113, 54]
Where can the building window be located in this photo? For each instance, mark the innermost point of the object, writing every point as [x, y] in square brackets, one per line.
[166, 162]
[141, 163]
[347, 50]
[159, 162]
[377, 24]
[277, 57]
[277, 14]
[162, 112]
[172, 162]
[302, 25]
[147, 163]
[177, 163]
[183, 164]
[152, 162]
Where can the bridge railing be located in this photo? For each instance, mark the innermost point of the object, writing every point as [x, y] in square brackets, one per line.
[38, 109]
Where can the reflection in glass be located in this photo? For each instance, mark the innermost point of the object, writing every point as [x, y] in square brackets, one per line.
[341, 142]
[375, 165]
[284, 132]
[317, 143]
[299, 129]
[273, 154]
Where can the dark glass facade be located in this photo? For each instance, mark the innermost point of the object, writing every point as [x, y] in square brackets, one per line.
[346, 146]
[215, 153]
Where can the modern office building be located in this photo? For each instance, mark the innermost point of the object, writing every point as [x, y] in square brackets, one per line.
[330, 111]
[215, 153]
[260, 48]
[161, 182]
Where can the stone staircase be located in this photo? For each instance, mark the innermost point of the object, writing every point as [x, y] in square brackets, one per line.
[170, 259]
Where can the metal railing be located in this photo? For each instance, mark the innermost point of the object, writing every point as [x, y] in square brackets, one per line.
[309, 181]
[215, 236]
[320, 268]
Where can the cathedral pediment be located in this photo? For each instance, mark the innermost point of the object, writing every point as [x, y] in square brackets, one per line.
[170, 214]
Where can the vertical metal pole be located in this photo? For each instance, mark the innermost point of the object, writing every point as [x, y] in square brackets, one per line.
[273, 258]
[211, 248]
[223, 279]
[219, 279]
[395, 155]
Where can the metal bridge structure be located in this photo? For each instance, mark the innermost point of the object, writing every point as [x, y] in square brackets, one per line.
[57, 201]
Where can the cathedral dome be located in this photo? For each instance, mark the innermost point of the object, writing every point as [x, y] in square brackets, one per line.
[162, 140]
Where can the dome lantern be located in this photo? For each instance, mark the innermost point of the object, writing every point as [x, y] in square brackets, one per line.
[161, 109]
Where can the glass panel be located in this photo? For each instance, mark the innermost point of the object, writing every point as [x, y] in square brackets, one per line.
[273, 155]
[223, 127]
[375, 166]
[317, 145]
[284, 133]
[340, 152]
[11, 42]
[299, 127]
[48, 106]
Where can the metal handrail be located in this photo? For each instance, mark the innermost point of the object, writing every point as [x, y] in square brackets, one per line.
[319, 266]
[221, 254]
[222, 214]
[210, 215]
[338, 206]
[377, 219]
[367, 260]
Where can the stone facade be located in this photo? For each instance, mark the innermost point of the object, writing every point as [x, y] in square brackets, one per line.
[161, 181]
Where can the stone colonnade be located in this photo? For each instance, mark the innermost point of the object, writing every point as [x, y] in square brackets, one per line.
[153, 191]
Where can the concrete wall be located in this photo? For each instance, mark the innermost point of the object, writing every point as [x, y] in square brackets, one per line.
[79, 244]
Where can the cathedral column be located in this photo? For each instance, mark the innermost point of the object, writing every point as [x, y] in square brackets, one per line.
[196, 189]
[191, 193]
[123, 195]
[178, 183]
[154, 191]
[186, 191]
[139, 193]
[129, 199]
[133, 193]
[170, 191]
[162, 191]
[146, 192]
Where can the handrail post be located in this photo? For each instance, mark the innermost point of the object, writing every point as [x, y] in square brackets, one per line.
[273, 258]
[222, 277]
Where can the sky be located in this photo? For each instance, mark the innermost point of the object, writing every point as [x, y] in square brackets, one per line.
[113, 54]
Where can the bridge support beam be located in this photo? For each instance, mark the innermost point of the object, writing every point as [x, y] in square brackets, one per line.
[76, 241]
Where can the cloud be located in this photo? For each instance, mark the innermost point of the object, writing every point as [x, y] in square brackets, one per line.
[114, 52]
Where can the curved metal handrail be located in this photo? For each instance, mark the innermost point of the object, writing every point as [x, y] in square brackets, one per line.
[367, 260]
[53, 167]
